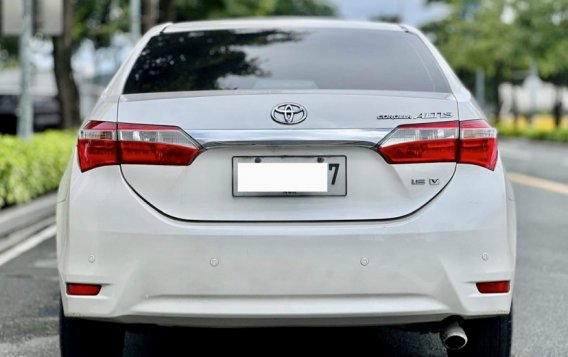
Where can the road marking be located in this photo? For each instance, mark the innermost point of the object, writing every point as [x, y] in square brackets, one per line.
[538, 183]
[26, 245]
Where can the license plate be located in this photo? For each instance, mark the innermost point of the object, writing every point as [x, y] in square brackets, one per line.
[289, 176]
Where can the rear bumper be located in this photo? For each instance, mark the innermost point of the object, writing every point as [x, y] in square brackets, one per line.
[155, 270]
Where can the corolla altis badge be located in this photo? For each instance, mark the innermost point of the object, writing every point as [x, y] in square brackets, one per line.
[424, 115]
[289, 113]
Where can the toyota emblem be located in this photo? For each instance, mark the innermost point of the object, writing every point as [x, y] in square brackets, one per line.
[289, 113]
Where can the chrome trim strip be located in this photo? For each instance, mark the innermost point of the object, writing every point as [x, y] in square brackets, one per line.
[366, 138]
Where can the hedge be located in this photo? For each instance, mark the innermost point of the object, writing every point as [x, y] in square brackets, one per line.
[31, 168]
[542, 127]
[558, 135]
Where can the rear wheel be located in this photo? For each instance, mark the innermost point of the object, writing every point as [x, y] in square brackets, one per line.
[87, 338]
[489, 337]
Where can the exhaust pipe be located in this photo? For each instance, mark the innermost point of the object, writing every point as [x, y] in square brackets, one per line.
[453, 336]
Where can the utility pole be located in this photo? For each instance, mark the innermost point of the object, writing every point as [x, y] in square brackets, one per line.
[26, 114]
[480, 87]
[135, 19]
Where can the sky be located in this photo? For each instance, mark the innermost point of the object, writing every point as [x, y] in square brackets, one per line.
[414, 12]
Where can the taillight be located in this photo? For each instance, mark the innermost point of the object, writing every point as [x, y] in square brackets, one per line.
[417, 143]
[155, 145]
[97, 145]
[468, 142]
[478, 144]
[106, 143]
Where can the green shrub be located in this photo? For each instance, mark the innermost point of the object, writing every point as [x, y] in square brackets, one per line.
[31, 168]
[558, 135]
[506, 130]
[534, 133]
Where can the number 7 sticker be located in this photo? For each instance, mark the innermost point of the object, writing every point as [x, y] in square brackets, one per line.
[335, 169]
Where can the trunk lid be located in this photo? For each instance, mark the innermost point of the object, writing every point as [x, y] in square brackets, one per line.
[239, 125]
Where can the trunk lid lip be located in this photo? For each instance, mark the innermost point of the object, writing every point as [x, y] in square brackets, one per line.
[286, 22]
[124, 98]
[219, 138]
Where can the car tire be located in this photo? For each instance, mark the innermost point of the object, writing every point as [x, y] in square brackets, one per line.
[488, 337]
[85, 338]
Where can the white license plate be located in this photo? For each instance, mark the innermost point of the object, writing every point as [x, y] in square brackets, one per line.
[289, 176]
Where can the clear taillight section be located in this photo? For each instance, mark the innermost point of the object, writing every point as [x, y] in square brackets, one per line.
[432, 142]
[155, 145]
[97, 145]
[107, 143]
[468, 142]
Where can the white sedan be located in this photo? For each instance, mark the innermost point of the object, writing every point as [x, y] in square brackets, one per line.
[286, 172]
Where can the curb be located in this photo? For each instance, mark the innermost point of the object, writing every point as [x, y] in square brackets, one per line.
[32, 216]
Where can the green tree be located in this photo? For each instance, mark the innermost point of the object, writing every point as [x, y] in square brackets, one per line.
[303, 8]
[185, 10]
[502, 37]
[473, 36]
[8, 50]
[98, 20]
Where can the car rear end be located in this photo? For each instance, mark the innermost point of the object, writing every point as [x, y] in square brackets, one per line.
[285, 173]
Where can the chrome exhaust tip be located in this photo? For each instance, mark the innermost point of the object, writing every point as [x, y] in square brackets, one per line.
[453, 336]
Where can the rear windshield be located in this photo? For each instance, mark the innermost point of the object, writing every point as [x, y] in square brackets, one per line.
[265, 59]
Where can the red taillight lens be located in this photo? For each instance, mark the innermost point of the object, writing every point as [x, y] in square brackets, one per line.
[97, 145]
[419, 143]
[478, 144]
[155, 145]
[83, 289]
[106, 143]
[469, 142]
[494, 287]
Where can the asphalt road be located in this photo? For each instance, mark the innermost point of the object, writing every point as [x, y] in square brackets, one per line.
[29, 292]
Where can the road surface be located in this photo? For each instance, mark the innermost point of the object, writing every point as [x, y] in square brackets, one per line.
[29, 291]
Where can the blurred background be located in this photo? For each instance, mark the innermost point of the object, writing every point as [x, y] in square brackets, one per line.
[56, 56]
[512, 54]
